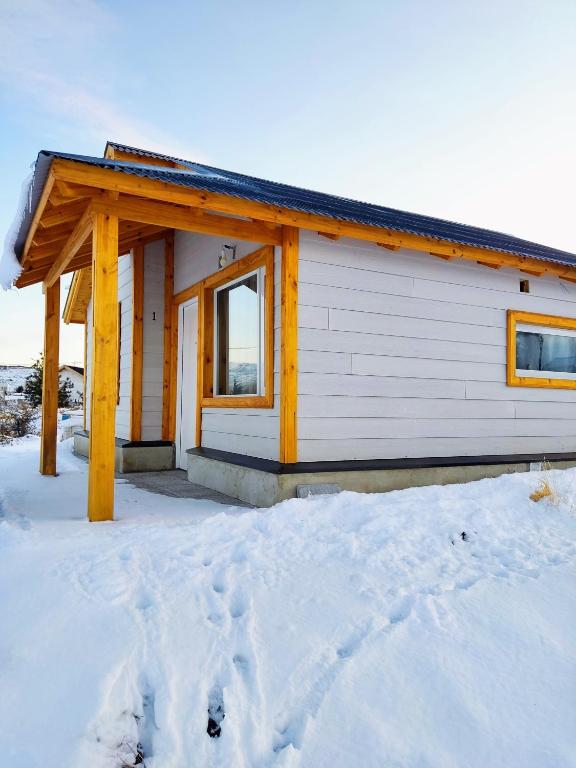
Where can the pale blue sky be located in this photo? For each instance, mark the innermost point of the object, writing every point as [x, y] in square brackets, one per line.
[464, 110]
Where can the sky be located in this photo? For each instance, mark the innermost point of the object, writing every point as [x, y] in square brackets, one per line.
[463, 110]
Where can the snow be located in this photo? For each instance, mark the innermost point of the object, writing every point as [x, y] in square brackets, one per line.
[13, 376]
[427, 628]
[10, 268]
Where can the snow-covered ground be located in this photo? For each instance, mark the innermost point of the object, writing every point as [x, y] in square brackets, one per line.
[428, 628]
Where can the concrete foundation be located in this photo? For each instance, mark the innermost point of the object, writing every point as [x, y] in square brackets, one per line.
[133, 457]
[262, 488]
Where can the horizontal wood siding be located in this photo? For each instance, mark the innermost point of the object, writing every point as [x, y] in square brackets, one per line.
[252, 432]
[404, 355]
[88, 390]
[153, 340]
[125, 274]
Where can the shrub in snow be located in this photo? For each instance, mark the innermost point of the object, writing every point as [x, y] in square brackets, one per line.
[33, 387]
[546, 488]
[16, 420]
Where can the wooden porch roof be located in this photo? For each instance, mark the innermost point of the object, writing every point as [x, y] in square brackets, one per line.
[150, 193]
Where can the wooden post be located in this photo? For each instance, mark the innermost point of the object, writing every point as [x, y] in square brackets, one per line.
[289, 349]
[50, 379]
[104, 367]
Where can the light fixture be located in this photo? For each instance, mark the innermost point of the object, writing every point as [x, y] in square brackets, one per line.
[227, 255]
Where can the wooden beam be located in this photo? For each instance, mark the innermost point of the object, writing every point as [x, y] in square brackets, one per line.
[390, 247]
[329, 235]
[68, 192]
[103, 373]
[112, 153]
[137, 342]
[79, 234]
[50, 380]
[190, 220]
[62, 214]
[490, 265]
[150, 188]
[167, 361]
[52, 234]
[289, 347]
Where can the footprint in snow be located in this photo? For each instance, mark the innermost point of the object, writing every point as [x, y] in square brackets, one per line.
[237, 606]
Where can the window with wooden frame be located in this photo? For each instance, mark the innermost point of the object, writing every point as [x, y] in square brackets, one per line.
[238, 314]
[541, 350]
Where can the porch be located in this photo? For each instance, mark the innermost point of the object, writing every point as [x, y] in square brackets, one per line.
[83, 224]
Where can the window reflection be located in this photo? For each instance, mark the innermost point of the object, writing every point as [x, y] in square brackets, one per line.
[545, 352]
[238, 337]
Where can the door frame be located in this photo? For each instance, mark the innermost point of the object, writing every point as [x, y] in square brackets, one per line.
[182, 306]
[194, 292]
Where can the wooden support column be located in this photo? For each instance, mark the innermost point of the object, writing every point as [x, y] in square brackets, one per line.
[168, 381]
[84, 389]
[289, 347]
[137, 342]
[50, 379]
[104, 367]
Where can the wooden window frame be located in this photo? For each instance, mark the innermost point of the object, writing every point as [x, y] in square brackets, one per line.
[261, 258]
[546, 321]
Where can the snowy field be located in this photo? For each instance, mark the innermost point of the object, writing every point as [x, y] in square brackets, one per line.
[428, 628]
[13, 376]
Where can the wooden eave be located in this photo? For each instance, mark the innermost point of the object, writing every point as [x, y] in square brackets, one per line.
[146, 208]
[78, 297]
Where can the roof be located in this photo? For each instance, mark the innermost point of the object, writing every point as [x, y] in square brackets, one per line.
[76, 368]
[198, 176]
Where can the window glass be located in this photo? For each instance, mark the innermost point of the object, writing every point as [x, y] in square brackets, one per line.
[238, 337]
[545, 352]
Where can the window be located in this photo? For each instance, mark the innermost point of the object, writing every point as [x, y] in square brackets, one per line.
[239, 335]
[541, 350]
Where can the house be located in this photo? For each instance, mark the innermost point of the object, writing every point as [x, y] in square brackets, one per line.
[75, 374]
[264, 337]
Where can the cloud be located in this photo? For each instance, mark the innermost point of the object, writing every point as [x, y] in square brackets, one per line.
[51, 52]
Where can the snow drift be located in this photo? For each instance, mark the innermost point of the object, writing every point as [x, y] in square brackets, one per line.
[431, 627]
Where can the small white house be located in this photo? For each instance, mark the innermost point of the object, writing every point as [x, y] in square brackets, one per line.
[263, 337]
[75, 374]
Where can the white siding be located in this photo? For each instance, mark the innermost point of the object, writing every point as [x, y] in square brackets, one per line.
[253, 432]
[153, 333]
[403, 355]
[125, 296]
[88, 393]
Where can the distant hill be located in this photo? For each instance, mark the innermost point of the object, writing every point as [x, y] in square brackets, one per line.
[13, 376]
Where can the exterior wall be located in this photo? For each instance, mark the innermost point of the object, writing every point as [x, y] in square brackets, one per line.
[125, 283]
[253, 432]
[125, 277]
[88, 393]
[404, 355]
[153, 341]
[77, 381]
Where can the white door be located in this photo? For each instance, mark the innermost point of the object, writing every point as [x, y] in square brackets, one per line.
[186, 383]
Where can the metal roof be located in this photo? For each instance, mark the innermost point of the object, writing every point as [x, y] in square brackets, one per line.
[206, 178]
